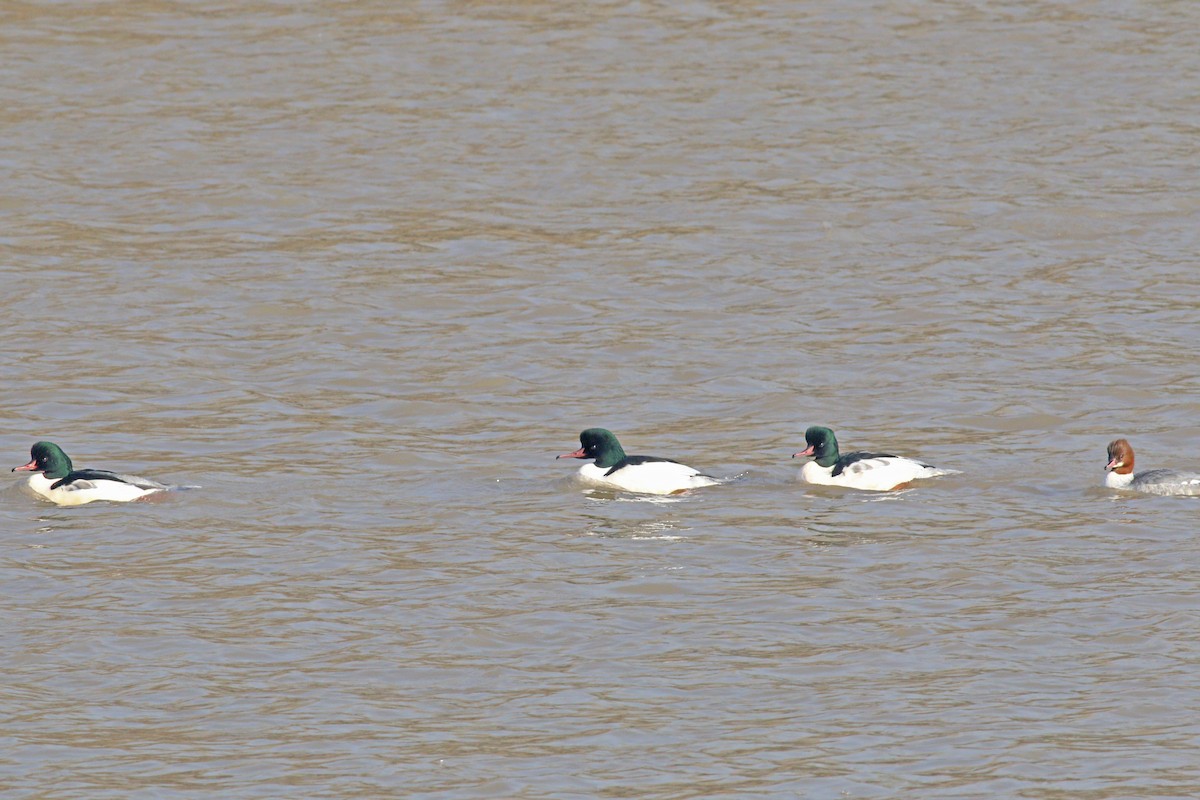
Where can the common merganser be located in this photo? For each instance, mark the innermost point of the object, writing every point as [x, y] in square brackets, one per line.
[54, 479]
[1155, 481]
[877, 472]
[643, 474]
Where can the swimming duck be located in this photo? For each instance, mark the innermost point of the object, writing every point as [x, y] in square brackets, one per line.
[877, 472]
[644, 474]
[1155, 481]
[54, 479]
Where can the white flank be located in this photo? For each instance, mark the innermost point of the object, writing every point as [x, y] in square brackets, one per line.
[1156, 481]
[651, 477]
[79, 492]
[871, 474]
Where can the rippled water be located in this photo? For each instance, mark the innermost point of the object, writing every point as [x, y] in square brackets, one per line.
[362, 270]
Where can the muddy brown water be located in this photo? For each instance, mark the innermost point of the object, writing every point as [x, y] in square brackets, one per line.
[362, 270]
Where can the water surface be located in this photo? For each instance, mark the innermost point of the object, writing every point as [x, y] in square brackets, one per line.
[362, 270]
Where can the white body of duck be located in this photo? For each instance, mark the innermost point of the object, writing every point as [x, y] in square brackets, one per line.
[55, 480]
[874, 472]
[1155, 481]
[643, 474]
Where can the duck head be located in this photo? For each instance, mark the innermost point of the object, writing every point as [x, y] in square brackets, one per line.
[822, 445]
[599, 444]
[1120, 457]
[48, 458]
